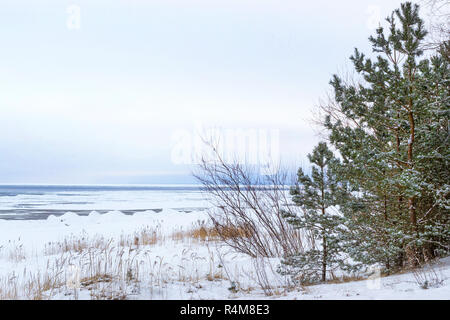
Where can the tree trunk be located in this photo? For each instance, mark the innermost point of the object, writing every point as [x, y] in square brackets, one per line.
[411, 204]
[324, 260]
[324, 238]
[411, 250]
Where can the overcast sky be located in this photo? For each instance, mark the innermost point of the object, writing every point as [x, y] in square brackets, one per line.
[100, 99]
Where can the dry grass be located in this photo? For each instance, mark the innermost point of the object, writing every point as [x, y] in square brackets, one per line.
[346, 278]
[106, 268]
[216, 276]
[9, 288]
[96, 260]
[76, 245]
[203, 232]
[14, 252]
[147, 236]
[120, 268]
[144, 237]
[98, 278]
[41, 286]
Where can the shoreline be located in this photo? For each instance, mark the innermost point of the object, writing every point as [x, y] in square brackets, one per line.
[43, 214]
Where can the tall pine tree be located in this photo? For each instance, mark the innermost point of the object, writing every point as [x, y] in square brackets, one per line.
[392, 133]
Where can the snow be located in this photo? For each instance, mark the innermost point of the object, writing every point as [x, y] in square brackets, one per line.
[394, 287]
[170, 268]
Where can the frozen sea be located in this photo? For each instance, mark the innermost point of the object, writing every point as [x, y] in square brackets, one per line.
[33, 202]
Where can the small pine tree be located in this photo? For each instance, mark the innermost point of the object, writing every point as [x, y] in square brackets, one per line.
[315, 194]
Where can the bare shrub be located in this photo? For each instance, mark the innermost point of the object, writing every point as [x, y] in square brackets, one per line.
[263, 268]
[438, 12]
[248, 207]
[427, 274]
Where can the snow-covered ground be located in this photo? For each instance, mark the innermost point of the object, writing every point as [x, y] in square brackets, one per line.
[151, 255]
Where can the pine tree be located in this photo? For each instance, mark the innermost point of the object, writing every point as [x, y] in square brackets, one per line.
[392, 134]
[316, 194]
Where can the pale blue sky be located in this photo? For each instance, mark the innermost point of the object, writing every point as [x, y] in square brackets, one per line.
[100, 104]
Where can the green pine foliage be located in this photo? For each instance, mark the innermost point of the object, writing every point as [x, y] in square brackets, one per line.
[391, 133]
[316, 194]
[395, 147]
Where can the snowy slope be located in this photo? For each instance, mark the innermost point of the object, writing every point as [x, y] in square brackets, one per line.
[171, 267]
